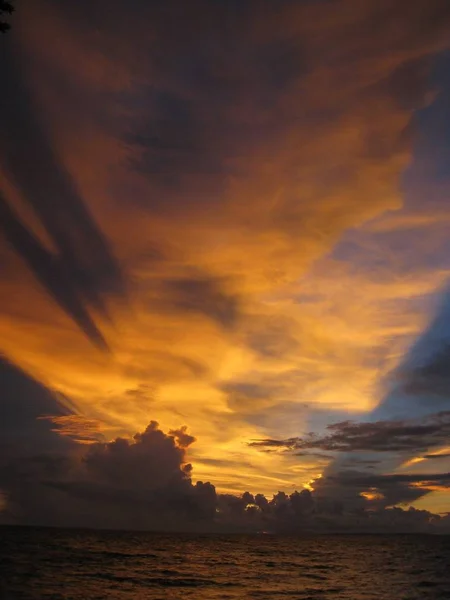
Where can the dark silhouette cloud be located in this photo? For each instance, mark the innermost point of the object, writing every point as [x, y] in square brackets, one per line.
[380, 490]
[379, 436]
[139, 483]
[307, 511]
[182, 437]
[145, 483]
[50, 272]
[80, 272]
[22, 401]
[440, 479]
[30, 449]
[437, 456]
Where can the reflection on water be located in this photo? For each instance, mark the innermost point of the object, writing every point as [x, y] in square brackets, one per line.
[83, 565]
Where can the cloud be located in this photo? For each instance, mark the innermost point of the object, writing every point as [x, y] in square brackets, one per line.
[432, 377]
[441, 479]
[201, 295]
[145, 483]
[419, 382]
[436, 456]
[23, 400]
[49, 271]
[182, 438]
[378, 436]
[141, 483]
[215, 156]
[76, 427]
[376, 447]
[79, 269]
[381, 490]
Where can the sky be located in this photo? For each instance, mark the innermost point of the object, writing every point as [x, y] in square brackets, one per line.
[225, 262]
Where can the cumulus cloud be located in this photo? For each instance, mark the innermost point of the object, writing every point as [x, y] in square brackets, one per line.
[146, 483]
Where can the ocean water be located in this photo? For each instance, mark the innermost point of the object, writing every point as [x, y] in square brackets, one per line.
[83, 565]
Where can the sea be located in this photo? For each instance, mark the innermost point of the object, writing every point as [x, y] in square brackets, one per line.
[40, 563]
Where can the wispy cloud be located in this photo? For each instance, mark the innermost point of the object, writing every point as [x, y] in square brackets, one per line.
[214, 163]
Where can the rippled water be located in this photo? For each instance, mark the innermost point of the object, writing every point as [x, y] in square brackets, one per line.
[83, 565]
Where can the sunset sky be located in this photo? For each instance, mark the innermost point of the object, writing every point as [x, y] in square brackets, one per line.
[231, 216]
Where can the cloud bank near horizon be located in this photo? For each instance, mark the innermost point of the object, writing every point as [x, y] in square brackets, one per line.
[146, 483]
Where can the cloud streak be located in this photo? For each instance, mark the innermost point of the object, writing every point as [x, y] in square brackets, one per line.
[379, 436]
[79, 270]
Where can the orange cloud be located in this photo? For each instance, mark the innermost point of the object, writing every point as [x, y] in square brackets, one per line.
[221, 169]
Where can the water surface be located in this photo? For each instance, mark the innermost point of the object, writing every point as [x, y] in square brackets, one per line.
[83, 565]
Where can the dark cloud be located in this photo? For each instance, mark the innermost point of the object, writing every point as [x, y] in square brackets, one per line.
[307, 511]
[152, 460]
[30, 449]
[247, 395]
[318, 455]
[80, 272]
[440, 479]
[139, 483]
[436, 456]
[272, 336]
[203, 295]
[379, 436]
[23, 400]
[382, 490]
[49, 271]
[77, 427]
[421, 384]
[193, 133]
[432, 377]
[182, 437]
[176, 144]
[145, 483]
